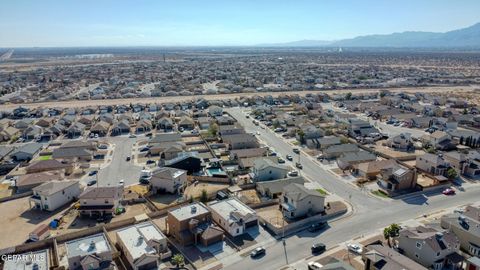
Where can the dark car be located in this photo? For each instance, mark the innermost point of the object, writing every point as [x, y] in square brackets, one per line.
[144, 149]
[150, 161]
[91, 183]
[257, 252]
[128, 158]
[318, 248]
[317, 227]
[144, 181]
[92, 173]
[298, 165]
[296, 151]
[289, 157]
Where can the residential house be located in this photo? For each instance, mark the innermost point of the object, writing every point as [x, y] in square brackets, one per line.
[396, 179]
[266, 170]
[186, 123]
[473, 263]
[101, 128]
[75, 130]
[168, 180]
[233, 216]
[165, 124]
[215, 111]
[72, 154]
[187, 161]
[336, 151]
[144, 245]
[297, 201]
[466, 226]
[143, 125]
[230, 130]
[225, 120]
[401, 142]
[273, 189]
[32, 132]
[349, 160]
[165, 137]
[26, 152]
[120, 127]
[379, 257]
[38, 260]
[204, 122]
[467, 164]
[90, 252]
[431, 248]
[26, 182]
[325, 142]
[167, 150]
[191, 224]
[439, 140]
[52, 195]
[431, 163]
[100, 200]
[8, 133]
[360, 128]
[240, 141]
[48, 165]
[247, 153]
[370, 170]
[309, 132]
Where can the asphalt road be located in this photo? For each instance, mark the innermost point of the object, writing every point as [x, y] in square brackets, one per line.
[370, 213]
[119, 168]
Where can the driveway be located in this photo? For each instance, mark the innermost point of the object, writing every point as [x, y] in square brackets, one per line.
[119, 168]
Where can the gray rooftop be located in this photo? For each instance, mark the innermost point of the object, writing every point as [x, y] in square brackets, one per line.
[189, 211]
[37, 260]
[136, 237]
[93, 244]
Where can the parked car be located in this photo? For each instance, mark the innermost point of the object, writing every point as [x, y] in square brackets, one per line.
[91, 173]
[121, 182]
[257, 252]
[299, 165]
[293, 173]
[449, 191]
[317, 227]
[355, 248]
[132, 136]
[128, 158]
[144, 149]
[151, 161]
[314, 266]
[318, 248]
[289, 157]
[296, 150]
[91, 182]
[281, 160]
[144, 181]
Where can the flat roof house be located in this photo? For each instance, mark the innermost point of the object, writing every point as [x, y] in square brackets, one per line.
[144, 245]
[233, 216]
[91, 252]
[35, 260]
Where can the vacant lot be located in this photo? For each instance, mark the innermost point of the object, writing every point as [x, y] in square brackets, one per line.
[195, 190]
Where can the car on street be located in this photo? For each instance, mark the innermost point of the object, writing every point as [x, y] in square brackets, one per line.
[317, 227]
[281, 160]
[296, 150]
[289, 157]
[150, 161]
[128, 158]
[293, 173]
[91, 183]
[257, 252]
[299, 165]
[314, 266]
[121, 182]
[144, 149]
[91, 173]
[449, 191]
[318, 248]
[144, 181]
[355, 248]
[132, 136]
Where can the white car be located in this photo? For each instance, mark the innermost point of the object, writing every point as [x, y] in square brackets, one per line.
[355, 248]
[293, 173]
[314, 266]
[121, 182]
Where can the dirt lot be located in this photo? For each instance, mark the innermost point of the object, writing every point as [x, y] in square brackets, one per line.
[273, 215]
[195, 191]
[18, 221]
[5, 190]
[397, 154]
[163, 200]
[249, 196]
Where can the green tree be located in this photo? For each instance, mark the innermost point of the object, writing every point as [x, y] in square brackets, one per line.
[178, 260]
[204, 196]
[301, 136]
[348, 96]
[451, 173]
[383, 93]
[391, 231]
[213, 130]
[465, 111]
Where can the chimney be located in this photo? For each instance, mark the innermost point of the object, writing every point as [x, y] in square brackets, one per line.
[194, 209]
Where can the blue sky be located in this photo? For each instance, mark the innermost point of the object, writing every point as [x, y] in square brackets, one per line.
[53, 23]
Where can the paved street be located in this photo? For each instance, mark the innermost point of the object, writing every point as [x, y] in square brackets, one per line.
[370, 213]
[119, 168]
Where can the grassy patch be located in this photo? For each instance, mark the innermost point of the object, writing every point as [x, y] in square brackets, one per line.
[379, 194]
[296, 143]
[321, 191]
[46, 157]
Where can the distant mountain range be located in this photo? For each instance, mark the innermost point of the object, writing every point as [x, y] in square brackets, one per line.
[466, 37]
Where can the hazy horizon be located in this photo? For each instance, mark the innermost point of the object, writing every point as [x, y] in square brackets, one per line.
[109, 23]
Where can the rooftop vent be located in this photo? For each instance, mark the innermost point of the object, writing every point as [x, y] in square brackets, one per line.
[194, 209]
